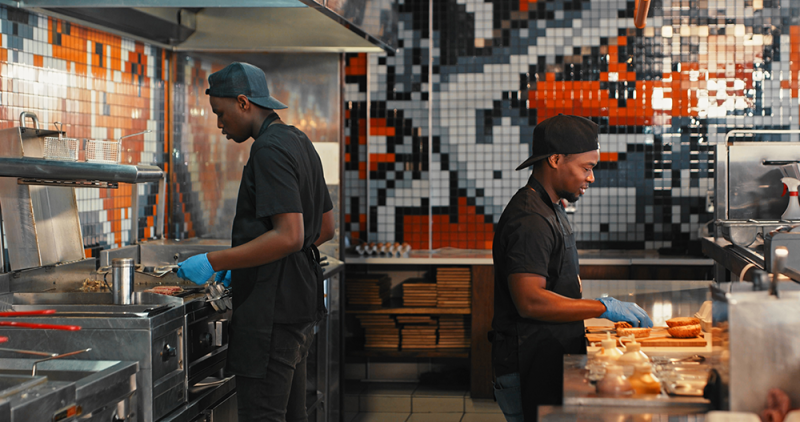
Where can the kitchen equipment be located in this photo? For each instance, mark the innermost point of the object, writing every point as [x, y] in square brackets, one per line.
[40, 221]
[747, 197]
[59, 147]
[65, 390]
[63, 355]
[102, 151]
[755, 347]
[793, 207]
[122, 280]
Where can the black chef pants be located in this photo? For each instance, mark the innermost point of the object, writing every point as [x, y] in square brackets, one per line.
[281, 395]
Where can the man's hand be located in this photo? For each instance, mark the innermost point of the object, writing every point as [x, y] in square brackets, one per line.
[196, 269]
[625, 311]
[223, 277]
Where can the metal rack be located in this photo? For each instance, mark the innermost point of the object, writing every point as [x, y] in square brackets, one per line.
[39, 201]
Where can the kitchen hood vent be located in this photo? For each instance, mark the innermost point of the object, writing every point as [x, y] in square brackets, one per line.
[243, 26]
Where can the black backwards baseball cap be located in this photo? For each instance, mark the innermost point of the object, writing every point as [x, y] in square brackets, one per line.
[242, 79]
[562, 134]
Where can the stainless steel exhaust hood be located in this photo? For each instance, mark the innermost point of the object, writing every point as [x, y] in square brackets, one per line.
[239, 26]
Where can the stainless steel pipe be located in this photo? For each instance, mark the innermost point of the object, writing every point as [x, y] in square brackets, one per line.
[122, 270]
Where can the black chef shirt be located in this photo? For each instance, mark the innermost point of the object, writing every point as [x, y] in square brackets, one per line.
[528, 239]
[283, 175]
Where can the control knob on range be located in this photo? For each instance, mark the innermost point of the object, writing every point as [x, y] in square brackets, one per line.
[168, 352]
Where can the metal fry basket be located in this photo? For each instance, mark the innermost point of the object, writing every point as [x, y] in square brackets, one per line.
[98, 151]
[102, 151]
[60, 148]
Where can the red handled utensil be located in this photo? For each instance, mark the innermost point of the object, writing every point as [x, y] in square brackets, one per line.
[39, 326]
[28, 313]
[33, 325]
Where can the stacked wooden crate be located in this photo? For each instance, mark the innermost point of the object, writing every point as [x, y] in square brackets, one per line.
[453, 287]
[418, 332]
[367, 290]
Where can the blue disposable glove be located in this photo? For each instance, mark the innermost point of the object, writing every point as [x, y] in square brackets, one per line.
[196, 269]
[223, 277]
[625, 311]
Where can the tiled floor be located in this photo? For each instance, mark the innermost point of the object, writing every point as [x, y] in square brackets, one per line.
[410, 402]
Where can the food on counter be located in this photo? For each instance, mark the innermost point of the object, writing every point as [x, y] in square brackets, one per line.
[685, 331]
[636, 332]
[166, 290]
[681, 321]
[90, 285]
[622, 324]
[614, 383]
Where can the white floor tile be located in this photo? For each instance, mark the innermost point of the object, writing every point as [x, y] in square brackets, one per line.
[480, 405]
[381, 417]
[385, 404]
[483, 417]
[437, 404]
[435, 417]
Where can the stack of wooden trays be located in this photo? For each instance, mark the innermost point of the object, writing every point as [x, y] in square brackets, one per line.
[454, 332]
[419, 331]
[419, 294]
[367, 289]
[453, 287]
[380, 332]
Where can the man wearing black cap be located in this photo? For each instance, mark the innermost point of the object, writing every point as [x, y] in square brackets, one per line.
[283, 211]
[538, 310]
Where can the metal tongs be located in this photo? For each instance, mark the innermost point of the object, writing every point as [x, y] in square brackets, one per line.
[218, 296]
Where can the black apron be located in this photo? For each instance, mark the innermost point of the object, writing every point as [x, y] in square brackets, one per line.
[250, 335]
[542, 346]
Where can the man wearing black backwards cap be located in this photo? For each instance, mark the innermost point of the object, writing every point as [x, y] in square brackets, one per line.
[538, 310]
[282, 213]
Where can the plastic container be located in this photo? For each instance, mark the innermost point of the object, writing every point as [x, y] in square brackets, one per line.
[615, 383]
[633, 355]
[643, 381]
[609, 352]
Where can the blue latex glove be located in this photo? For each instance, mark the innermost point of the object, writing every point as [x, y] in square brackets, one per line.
[196, 269]
[625, 311]
[223, 277]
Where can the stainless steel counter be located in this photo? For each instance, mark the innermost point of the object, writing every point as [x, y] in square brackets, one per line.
[578, 391]
[452, 256]
[610, 413]
[65, 390]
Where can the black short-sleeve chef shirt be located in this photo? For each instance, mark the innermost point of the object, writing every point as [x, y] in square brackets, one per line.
[528, 239]
[283, 175]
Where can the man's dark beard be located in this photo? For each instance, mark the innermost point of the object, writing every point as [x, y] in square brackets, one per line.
[569, 196]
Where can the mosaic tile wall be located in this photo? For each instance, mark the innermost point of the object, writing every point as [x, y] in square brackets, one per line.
[207, 166]
[100, 86]
[491, 70]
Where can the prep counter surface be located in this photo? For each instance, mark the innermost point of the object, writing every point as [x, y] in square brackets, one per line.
[453, 256]
[604, 414]
[578, 391]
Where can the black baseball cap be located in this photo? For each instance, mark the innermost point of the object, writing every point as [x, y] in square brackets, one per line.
[562, 134]
[242, 79]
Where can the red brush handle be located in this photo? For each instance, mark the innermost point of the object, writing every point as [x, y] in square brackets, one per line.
[40, 326]
[28, 313]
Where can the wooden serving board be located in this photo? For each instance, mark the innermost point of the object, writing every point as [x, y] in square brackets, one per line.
[659, 337]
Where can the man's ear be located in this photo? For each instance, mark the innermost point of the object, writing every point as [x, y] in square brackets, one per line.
[242, 102]
[553, 160]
